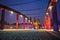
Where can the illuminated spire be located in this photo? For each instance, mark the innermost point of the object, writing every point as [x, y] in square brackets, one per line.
[34, 19]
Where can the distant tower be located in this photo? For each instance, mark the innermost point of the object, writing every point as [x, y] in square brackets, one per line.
[36, 23]
[34, 19]
[30, 19]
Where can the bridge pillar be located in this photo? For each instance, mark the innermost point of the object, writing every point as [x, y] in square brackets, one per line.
[23, 22]
[47, 23]
[2, 18]
[17, 21]
[47, 20]
[55, 18]
[26, 21]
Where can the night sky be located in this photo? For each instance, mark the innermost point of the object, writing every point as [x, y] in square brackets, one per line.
[30, 8]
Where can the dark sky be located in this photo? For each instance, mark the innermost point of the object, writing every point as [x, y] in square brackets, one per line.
[30, 8]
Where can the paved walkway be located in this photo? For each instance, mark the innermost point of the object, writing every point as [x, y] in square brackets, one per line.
[26, 29]
[27, 35]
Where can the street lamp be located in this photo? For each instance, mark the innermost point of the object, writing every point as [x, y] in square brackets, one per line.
[21, 15]
[29, 20]
[50, 7]
[11, 12]
[47, 13]
[56, 0]
[25, 18]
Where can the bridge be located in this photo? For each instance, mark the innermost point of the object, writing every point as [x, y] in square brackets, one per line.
[27, 22]
[12, 11]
